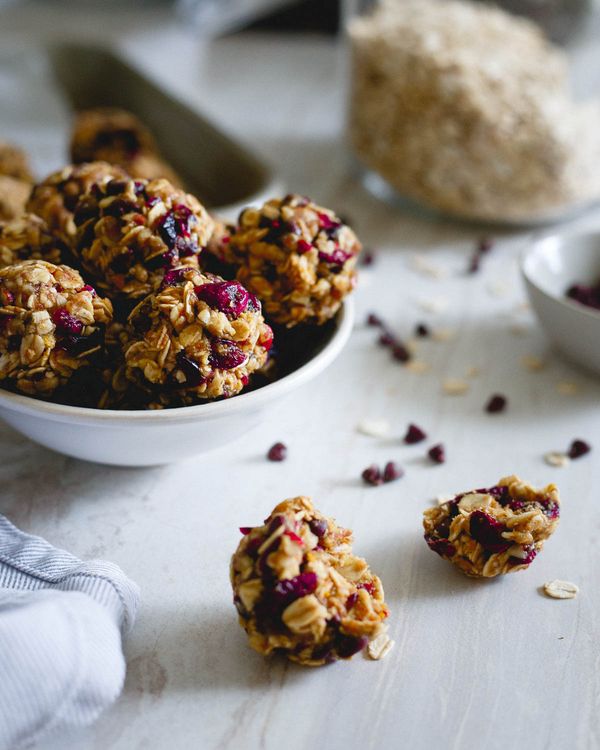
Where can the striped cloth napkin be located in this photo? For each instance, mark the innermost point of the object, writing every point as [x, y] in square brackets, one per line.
[61, 624]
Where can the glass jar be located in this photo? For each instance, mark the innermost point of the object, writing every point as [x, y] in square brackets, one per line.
[467, 111]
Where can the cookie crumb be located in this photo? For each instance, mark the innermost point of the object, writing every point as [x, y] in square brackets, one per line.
[418, 366]
[444, 334]
[426, 267]
[555, 458]
[558, 589]
[473, 372]
[455, 387]
[433, 305]
[532, 363]
[567, 388]
[377, 428]
[380, 647]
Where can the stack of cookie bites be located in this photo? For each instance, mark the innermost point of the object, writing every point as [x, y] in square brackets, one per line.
[120, 290]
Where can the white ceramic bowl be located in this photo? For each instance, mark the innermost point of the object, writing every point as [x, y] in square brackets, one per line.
[549, 268]
[147, 438]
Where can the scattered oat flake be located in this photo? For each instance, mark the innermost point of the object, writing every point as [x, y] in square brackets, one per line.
[473, 372]
[418, 366]
[455, 387]
[567, 388]
[555, 458]
[425, 266]
[433, 305]
[561, 589]
[379, 647]
[377, 428]
[532, 363]
[443, 334]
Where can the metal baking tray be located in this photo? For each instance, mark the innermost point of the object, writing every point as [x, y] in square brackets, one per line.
[223, 174]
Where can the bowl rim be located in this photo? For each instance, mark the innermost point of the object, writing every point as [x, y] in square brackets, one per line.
[530, 279]
[213, 409]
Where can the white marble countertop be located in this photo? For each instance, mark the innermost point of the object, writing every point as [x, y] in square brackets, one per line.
[476, 665]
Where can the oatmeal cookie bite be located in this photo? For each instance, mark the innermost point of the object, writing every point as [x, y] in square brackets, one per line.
[118, 137]
[489, 532]
[130, 232]
[55, 198]
[299, 590]
[14, 162]
[28, 238]
[198, 337]
[13, 197]
[51, 326]
[298, 258]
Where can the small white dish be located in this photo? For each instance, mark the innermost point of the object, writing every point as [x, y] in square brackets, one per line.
[149, 438]
[549, 268]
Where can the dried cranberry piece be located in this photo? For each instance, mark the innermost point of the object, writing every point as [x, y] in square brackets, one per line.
[287, 591]
[266, 338]
[414, 435]
[392, 472]
[245, 530]
[441, 546]
[368, 257]
[318, 526]
[228, 297]
[226, 355]
[123, 262]
[372, 475]
[351, 600]
[173, 278]
[386, 339]
[189, 369]
[421, 330]
[437, 453]
[277, 452]
[90, 289]
[302, 246]
[347, 645]
[174, 224]
[66, 323]
[578, 448]
[400, 352]
[118, 208]
[530, 555]
[115, 187]
[374, 320]
[488, 532]
[337, 258]
[496, 404]
[549, 507]
[163, 260]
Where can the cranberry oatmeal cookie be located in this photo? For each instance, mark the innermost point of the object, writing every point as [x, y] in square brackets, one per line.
[28, 238]
[55, 198]
[130, 232]
[489, 532]
[198, 337]
[300, 591]
[119, 137]
[13, 197]
[298, 258]
[51, 326]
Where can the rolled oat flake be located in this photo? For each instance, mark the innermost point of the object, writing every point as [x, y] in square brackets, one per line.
[561, 589]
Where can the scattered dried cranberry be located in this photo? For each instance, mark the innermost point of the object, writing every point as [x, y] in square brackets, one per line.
[437, 453]
[277, 452]
[386, 339]
[392, 472]
[400, 352]
[579, 448]
[374, 320]
[497, 403]
[372, 475]
[245, 530]
[368, 258]
[414, 434]
[483, 247]
[421, 330]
